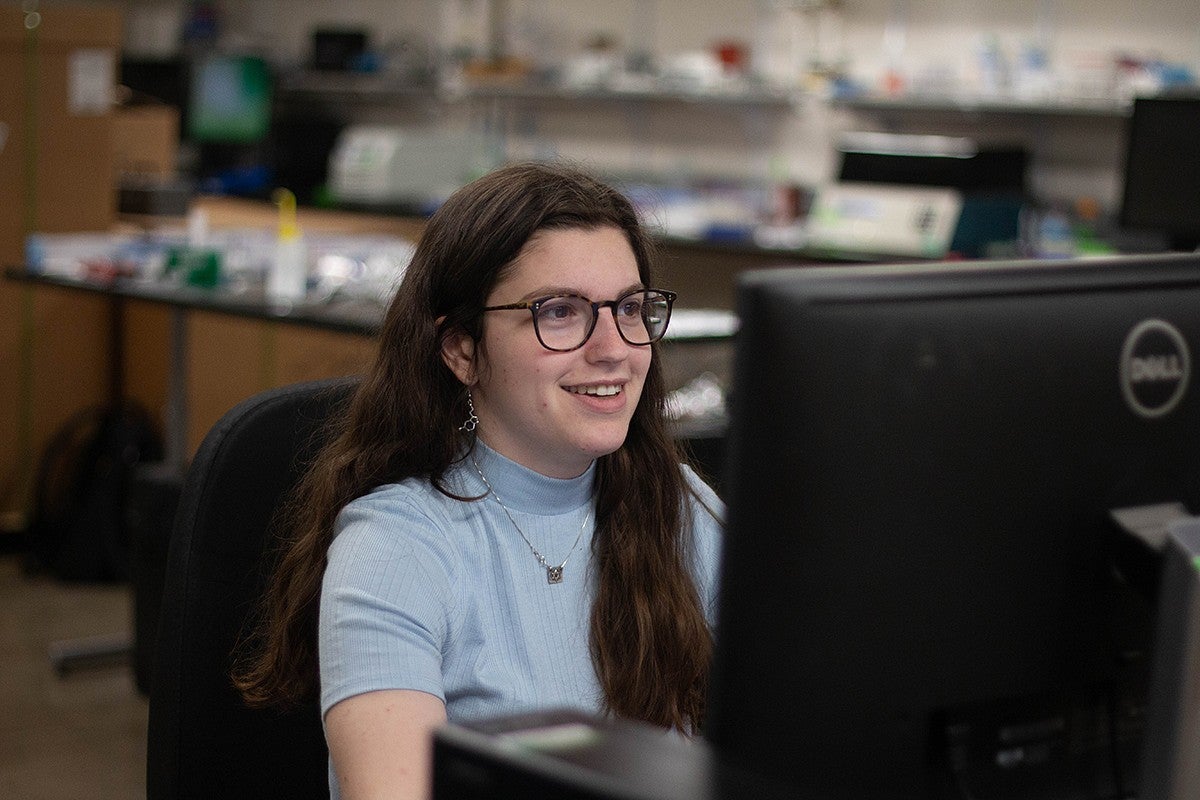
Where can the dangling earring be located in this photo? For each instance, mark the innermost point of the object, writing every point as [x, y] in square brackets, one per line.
[472, 421]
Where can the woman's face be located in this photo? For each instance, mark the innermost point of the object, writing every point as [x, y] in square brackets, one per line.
[550, 411]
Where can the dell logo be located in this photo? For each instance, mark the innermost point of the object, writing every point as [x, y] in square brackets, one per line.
[1155, 368]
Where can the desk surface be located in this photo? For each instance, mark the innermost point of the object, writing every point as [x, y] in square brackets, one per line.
[348, 316]
[704, 271]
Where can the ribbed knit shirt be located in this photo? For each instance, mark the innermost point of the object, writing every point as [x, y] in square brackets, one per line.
[426, 592]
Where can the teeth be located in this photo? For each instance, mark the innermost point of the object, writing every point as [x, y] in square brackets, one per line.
[598, 391]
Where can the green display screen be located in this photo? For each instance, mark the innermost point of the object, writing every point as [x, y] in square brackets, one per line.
[230, 99]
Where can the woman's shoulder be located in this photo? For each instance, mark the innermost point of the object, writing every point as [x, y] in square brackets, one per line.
[703, 495]
[416, 496]
[408, 493]
[399, 517]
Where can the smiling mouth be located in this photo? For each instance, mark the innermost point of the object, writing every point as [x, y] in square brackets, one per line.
[594, 391]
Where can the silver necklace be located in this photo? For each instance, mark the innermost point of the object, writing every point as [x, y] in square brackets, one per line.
[553, 574]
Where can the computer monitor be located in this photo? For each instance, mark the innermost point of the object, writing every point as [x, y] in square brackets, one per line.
[229, 99]
[1162, 170]
[228, 119]
[924, 592]
[922, 160]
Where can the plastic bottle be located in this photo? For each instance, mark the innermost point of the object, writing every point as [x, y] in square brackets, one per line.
[196, 263]
[1054, 236]
[993, 67]
[287, 278]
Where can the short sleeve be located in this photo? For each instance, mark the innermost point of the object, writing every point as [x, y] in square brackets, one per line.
[386, 599]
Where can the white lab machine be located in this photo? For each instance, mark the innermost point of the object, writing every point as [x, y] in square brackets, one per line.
[884, 220]
[388, 166]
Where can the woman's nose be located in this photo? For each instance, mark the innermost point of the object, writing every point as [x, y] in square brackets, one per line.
[605, 341]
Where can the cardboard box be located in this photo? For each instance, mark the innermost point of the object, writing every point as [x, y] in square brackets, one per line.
[146, 141]
[57, 81]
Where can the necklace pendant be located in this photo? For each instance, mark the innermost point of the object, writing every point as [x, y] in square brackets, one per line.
[554, 575]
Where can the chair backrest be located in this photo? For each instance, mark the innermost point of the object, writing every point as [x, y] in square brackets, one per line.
[203, 741]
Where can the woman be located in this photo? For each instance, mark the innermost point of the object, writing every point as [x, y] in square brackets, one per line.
[501, 522]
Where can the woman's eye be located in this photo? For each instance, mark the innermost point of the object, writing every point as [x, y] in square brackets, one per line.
[557, 311]
[630, 308]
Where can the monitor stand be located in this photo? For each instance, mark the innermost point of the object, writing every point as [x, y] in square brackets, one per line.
[1171, 758]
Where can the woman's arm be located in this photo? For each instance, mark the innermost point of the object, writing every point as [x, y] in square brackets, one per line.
[382, 744]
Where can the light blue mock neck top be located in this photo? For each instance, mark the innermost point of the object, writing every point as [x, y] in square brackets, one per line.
[426, 592]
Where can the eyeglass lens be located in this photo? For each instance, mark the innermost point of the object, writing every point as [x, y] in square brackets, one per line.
[564, 323]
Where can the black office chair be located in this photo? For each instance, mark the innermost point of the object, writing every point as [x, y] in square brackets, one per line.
[203, 741]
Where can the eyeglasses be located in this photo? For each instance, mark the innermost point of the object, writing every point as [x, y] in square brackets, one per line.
[565, 322]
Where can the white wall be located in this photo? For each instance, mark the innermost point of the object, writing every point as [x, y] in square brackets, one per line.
[924, 39]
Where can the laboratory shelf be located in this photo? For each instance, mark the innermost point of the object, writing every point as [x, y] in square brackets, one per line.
[384, 88]
[980, 105]
[732, 96]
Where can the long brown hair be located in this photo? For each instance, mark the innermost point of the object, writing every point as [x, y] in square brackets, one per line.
[650, 643]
